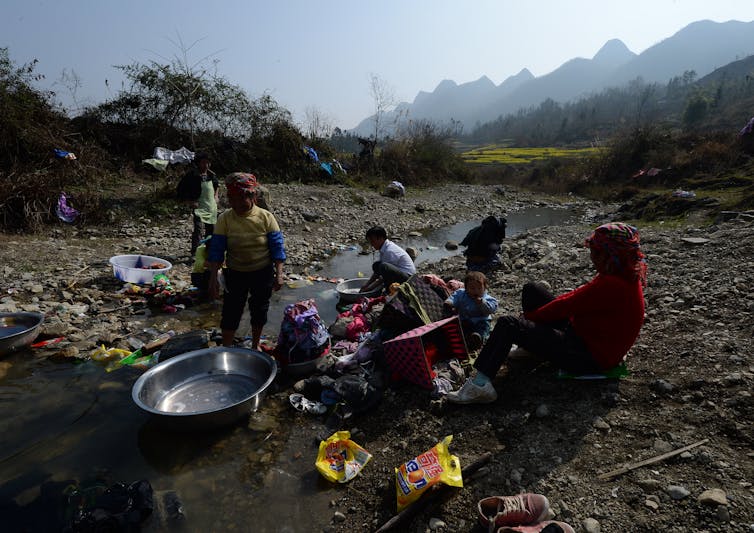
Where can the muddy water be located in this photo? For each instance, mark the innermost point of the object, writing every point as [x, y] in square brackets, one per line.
[63, 421]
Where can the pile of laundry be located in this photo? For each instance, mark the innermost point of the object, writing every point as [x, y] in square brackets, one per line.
[161, 296]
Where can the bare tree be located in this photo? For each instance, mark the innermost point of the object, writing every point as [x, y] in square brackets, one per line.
[383, 96]
[71, 81]
[318, 123]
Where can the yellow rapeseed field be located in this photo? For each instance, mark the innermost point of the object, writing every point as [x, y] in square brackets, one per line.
[499, 155]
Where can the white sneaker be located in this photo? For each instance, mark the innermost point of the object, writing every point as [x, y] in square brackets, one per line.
[470, 392]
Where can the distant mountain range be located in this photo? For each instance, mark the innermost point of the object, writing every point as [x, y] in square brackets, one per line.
[701, 46]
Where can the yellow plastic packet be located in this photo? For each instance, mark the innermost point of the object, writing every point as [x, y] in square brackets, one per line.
[108, 354]
[420, 473]
[341, 459]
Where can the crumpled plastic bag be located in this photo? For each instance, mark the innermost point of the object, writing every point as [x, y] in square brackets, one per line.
[182, 155]
[341, 459]
[395, 189]
[65, 212]
[108, 354]
[420, 473]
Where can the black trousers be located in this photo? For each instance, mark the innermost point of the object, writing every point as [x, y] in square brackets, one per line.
[555, 341]
[201, 230]
[257, 286]
[389, 273]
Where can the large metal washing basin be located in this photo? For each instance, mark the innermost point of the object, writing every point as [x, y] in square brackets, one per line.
[206, 388]
[18, 330]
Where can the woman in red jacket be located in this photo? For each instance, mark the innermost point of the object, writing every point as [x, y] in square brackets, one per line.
[587, 330]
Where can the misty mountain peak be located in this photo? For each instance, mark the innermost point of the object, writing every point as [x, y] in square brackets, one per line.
[524, 74]
[484, 80]
[445, 85]
[614, 51]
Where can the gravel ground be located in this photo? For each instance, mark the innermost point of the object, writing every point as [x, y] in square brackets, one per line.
[691, 371]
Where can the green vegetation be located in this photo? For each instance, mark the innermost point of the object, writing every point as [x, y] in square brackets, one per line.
[722, 100]
[175, 103]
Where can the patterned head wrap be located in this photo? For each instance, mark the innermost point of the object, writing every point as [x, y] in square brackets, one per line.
[619, 251]
[242, 183]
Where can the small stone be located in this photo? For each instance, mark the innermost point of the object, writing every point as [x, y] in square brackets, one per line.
[713, 497]
[436, 523]
[661, 386]
[36, 288]
[599, 423]
[516, 475]
[651, 504]
[338, 517]
[542, 411]
[414, 234]
[591, 525]
[662, 446]
[677, 492]
[412, 253]
[451, 245]
[109, 337]
[695, 240]
[482, 472]
[54, 329]
[722, 514]
[69, 351]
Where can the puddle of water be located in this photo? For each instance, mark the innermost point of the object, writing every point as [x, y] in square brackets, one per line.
[62, 421]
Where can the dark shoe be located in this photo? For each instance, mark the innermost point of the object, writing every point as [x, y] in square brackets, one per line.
[475, 342]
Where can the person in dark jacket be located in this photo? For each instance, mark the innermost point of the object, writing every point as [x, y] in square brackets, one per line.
[199, 188]
[483, 244]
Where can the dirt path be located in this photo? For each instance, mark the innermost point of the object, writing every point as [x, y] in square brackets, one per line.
[691, 370]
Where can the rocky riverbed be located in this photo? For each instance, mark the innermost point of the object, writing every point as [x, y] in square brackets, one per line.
[691, 371]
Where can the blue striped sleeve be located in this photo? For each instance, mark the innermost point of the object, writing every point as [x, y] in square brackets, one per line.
[217, 246]
[275, 244]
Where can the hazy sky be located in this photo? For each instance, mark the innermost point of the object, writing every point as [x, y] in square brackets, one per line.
[309, 53]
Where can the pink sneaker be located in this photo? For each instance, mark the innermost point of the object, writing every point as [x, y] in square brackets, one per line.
[523, 509]
[542, 527]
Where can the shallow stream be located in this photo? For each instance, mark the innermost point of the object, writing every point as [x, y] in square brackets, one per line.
[61, 421]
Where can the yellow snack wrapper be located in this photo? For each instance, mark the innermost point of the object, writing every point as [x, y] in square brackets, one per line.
[105, 354]
[423, 471]
[341, 459]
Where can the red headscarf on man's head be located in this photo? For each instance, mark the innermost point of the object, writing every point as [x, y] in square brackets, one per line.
[242, 183]
[620, 249]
